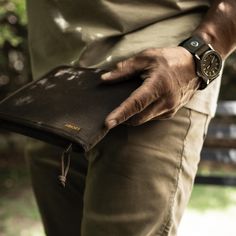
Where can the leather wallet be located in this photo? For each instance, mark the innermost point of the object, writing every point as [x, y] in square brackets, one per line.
[65, 107]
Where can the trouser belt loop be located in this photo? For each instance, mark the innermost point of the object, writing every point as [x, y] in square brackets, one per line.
[65, 165]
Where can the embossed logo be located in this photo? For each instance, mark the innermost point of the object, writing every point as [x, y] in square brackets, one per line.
[74, 127]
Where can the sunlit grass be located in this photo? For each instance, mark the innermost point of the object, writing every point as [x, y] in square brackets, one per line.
[212, 198]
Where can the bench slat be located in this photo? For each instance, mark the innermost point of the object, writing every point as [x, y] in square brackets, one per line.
[219, 155]
[219, 151]
[226, 108]
[216, 180]
[220, 143]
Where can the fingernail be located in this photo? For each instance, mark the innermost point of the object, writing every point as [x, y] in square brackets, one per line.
[111, 123]
[106, 75]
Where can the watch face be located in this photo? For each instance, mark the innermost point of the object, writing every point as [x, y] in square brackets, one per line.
[211, 64]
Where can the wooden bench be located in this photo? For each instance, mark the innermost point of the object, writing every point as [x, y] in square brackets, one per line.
[218, 157]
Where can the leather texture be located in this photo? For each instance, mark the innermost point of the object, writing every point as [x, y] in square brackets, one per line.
[66, 106]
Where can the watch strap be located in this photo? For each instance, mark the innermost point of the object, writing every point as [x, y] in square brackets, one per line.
[195, 45]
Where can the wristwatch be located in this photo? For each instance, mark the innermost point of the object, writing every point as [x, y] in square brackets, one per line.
[208, 62]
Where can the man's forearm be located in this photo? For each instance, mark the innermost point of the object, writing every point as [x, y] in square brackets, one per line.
[219, 26]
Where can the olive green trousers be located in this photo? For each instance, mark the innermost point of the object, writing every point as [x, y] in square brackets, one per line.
[136, 182]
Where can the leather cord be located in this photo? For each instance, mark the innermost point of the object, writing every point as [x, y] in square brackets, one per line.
[65, 165]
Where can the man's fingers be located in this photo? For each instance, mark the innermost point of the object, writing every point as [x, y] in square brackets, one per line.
[135, 103]
[125, 69]
[155, 109]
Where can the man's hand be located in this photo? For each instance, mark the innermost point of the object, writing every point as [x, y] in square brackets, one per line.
[169, 81]
[169, 73]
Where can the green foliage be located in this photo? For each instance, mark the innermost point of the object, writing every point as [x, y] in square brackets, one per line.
[6, 33]
[14, 60]
[17, 6]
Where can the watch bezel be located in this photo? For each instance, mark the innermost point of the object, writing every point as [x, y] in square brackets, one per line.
[209, 78]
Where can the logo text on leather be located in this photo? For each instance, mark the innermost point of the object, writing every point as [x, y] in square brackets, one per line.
[74, 127]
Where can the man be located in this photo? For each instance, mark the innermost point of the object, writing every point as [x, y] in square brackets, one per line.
[138, 179]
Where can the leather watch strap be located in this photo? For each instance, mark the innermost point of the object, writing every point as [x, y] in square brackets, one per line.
[195, 45]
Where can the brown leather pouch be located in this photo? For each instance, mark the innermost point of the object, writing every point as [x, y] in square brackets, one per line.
[66, 107]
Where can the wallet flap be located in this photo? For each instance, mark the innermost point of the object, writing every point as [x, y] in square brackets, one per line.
[69, 104]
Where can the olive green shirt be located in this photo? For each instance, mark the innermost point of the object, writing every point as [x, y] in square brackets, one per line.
[98, 33]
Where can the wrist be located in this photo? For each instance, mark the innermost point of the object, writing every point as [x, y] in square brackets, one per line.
[211, 39]
[208, 62]
[218, 27]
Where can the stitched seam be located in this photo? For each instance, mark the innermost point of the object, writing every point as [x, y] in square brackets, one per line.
[207, 121]
[174, 192]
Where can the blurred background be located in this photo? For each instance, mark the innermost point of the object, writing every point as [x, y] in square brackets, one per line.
[212, 209]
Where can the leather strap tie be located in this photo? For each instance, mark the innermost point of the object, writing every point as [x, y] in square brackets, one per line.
[65, 165]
